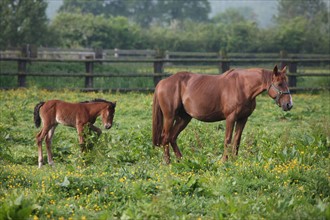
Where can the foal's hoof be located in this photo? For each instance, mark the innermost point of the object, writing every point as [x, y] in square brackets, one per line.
[178, 160]
[167, 160]
[224, 159]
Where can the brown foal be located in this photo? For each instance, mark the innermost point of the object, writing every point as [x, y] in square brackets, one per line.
[77, 115]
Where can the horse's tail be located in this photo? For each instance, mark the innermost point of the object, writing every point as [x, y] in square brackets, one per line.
[37, 119]
[157, 122]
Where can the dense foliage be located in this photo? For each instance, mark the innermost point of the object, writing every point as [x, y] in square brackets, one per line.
[282, 171]
[299, 27]
[23, 22]
[143, 12]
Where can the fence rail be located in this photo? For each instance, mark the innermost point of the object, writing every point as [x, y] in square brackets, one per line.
[160, 60]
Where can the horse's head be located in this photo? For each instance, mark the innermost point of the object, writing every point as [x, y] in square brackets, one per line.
[108, 114]
[279, 89]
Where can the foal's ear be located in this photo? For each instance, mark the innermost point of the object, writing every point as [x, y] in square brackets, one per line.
[284, 69]
[114, 104]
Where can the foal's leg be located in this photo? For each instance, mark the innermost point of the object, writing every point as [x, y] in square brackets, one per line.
[240, 124]
[80, 130]
[230, 123]
[40, 137]
[180, 124]
[96, 129]
[49, 138]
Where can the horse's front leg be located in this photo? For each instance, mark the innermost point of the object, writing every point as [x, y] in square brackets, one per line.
[95, 129]
[230, 123]
[80, 130]
[240, 124]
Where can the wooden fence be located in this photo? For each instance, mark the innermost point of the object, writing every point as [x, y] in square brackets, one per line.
[158, 59]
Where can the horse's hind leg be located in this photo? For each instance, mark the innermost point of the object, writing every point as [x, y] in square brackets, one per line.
[49, 138]
[180, 124]
[168, 123]
[39, 139]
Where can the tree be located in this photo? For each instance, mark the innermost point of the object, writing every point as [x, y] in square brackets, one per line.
[143, 12]
[170, 10]
[23, 22]
[240, 29]
[291, 35]
[235, 15]
[306, 8]
[86, 30]
[304, 26]
[97, 7]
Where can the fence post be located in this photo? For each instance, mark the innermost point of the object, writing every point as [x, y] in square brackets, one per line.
[158, 66]
[98, 53]
[21, 80]
[293, 70]
[21, 65]
[224, 65]
[89, 72]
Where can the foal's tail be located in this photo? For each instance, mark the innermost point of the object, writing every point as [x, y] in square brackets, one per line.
[37, 119]
[157, 122]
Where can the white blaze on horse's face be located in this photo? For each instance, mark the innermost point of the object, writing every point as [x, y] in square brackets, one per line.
[107, 117]
[106, 122]
[283, 97]
[289, 104]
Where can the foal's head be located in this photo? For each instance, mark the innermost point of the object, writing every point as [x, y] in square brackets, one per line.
[107, 114]
[279, 89]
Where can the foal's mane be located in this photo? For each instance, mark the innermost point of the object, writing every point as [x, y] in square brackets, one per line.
[99, 100]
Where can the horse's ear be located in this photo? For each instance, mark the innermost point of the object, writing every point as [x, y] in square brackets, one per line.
[275, 71]
[114, 104]
[284, 69]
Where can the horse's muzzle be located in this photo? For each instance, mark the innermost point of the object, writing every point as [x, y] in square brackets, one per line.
[108, 126]
[287, 106]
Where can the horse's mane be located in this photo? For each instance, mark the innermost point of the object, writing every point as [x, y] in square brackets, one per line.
[228, 72]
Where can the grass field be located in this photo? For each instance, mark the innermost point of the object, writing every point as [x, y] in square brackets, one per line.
[282, 171]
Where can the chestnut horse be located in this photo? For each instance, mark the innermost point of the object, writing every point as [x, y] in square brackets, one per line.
[77, 115]
[209, 98]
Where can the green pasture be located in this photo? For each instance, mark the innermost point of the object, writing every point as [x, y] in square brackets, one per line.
[282, 170]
